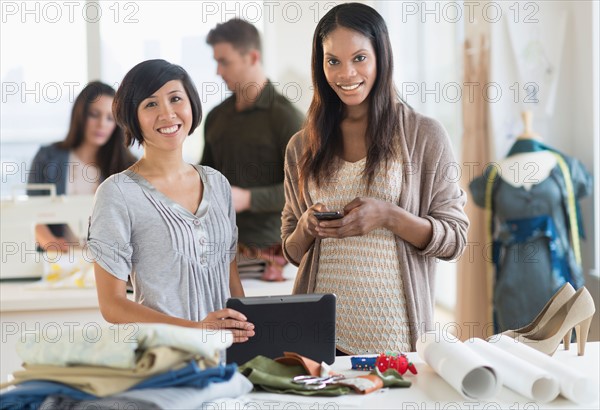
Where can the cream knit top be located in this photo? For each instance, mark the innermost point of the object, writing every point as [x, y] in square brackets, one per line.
[364, 271]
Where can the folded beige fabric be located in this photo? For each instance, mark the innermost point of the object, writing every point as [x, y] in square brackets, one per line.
[104, 381]
[117, 345]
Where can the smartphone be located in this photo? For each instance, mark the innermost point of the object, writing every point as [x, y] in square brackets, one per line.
[328, 216]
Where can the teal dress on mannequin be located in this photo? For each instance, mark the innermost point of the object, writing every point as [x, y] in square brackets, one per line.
[532, 252]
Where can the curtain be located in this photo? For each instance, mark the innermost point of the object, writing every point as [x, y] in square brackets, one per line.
[474, 275]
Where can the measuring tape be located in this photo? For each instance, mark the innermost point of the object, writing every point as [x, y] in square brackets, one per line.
[572, 209]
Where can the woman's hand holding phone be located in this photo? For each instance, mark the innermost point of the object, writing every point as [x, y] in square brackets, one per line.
[328, 216]
[309, 219]
[361, 216]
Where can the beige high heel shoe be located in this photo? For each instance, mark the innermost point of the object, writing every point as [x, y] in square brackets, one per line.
[556, 301]
[577, 313]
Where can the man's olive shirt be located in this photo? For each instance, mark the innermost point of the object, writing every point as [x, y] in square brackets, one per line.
[248, 147]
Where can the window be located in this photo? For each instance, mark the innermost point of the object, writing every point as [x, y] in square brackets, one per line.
[43, 67]
[47, 67]
[175, 31]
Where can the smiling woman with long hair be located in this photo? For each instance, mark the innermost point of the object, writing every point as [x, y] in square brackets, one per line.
[368, 154]
[93, 150]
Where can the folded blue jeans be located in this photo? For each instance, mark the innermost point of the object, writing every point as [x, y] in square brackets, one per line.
[30, 394]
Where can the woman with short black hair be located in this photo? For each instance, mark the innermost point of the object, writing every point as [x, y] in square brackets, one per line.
[168, 224]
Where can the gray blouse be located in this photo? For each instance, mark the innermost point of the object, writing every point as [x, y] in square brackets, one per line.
[178, 261]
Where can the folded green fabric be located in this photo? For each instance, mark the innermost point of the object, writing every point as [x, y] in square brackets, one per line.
[391, 378]
[277, 378]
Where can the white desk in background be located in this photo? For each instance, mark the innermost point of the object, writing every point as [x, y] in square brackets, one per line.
[430, 391]
[25, 309]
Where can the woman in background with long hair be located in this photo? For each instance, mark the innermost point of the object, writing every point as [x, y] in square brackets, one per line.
[93, 150]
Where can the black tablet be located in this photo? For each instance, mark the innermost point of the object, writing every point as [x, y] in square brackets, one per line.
[304, 324]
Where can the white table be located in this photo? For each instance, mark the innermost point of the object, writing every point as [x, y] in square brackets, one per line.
[429, 391]
[34, 309]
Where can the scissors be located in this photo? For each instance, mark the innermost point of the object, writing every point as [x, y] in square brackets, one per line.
[317, 383]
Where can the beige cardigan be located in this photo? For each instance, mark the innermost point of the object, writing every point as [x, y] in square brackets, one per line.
[429, 189]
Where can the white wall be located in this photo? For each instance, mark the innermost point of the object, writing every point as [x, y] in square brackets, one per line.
[287, 46]
[594, 282]
[287, 54]
[573, 128]
[575, 133]
[595, 109]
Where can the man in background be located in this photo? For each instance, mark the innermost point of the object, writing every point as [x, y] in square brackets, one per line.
[245, 139]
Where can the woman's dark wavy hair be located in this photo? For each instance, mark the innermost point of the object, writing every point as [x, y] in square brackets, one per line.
[113, 156]
[140, 83]
[322, 131]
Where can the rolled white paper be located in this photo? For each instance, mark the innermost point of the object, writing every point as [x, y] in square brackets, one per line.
[573, 385]
[517, 374]
[462, 368]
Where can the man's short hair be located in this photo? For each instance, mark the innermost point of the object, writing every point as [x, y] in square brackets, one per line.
[241, 34]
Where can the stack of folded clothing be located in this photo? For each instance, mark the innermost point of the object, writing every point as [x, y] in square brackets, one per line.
[150, 365]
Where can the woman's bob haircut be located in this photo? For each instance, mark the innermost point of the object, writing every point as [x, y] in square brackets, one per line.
[140, 83]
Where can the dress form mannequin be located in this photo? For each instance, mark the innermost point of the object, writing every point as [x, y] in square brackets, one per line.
[534, 226]
[528, 168]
